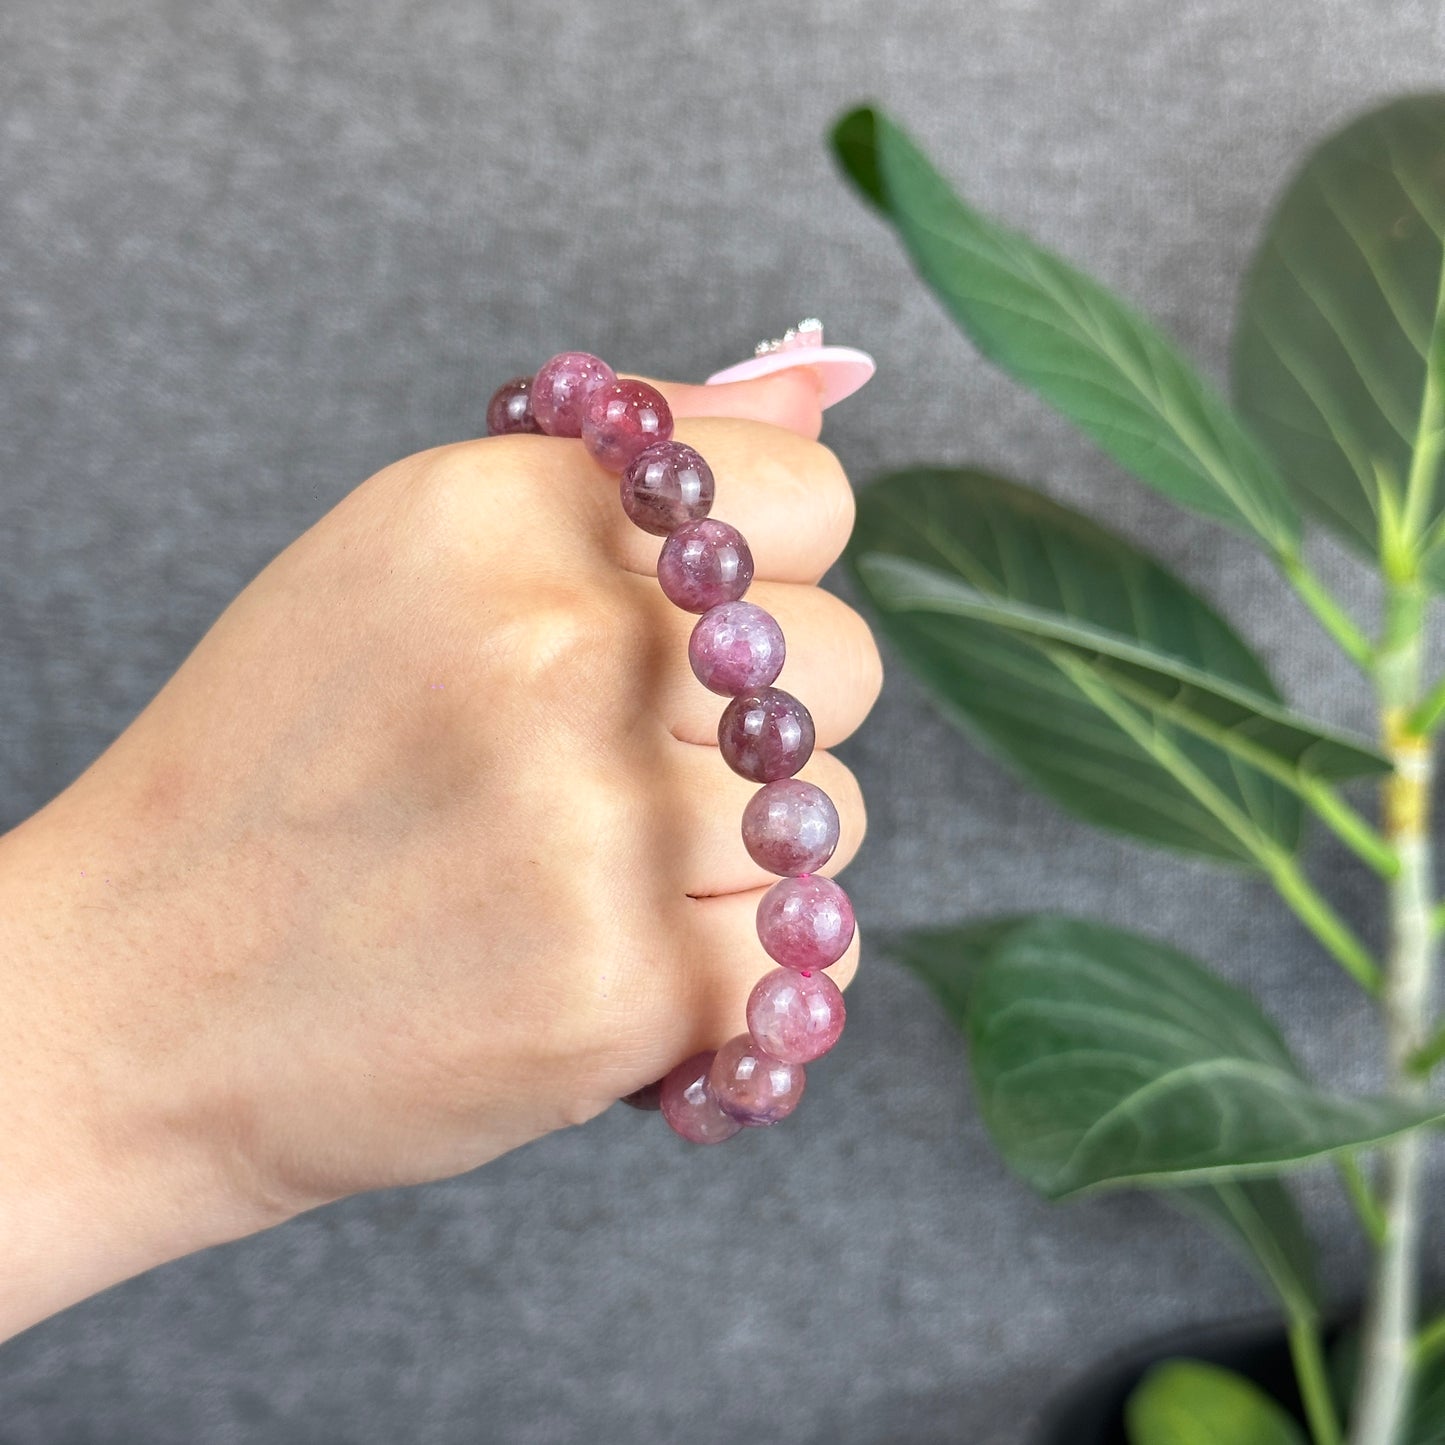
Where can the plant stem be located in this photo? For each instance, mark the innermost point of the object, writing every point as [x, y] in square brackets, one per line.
[1381, 1406]
[1428, 713]
[1362, 1196]
[1316, 914]
[1313, 1379]
[1353, 830]
[1333, 618]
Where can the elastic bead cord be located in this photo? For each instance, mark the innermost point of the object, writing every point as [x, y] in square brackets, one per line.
[805, 921]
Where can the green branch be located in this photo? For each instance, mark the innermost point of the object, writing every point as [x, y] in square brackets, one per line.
[1314, 1381]
[1282, 868]
[1358, 834]
[1332, 617]
[1362, 1196]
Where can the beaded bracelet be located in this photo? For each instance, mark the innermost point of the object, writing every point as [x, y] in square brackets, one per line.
[795, 1013]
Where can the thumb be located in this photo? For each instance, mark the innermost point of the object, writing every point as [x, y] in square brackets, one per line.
[791, 399]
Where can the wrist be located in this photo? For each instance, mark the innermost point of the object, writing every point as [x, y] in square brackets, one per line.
[107, 1167]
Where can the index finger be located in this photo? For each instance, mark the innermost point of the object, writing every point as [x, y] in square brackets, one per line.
[792, 399]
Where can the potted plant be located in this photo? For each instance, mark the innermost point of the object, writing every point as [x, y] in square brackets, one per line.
[1104, 1059]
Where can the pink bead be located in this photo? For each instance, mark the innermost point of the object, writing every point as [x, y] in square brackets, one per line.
[510, 409]
[561, 388]
[796, 1017]
[666, 485]
[753, 1087]
[688, 1104]
[736, 647]
[765, 734]
[790, 827]
[622, 419]
[806, 922]
[704, 563]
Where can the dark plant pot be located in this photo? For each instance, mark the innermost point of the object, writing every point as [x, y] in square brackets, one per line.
[1091, 1411]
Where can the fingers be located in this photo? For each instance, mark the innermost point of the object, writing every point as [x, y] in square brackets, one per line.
[832, 661]
[729, 961]
[710, 857]
[788, 496]
[792, 399]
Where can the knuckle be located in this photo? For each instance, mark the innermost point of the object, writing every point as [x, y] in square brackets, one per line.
[560, 647]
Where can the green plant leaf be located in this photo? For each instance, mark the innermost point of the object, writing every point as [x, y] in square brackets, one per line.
[1101, 1057]
[1010, 543]
[1258, 1215]
[1186, 1402]
[1081, 348]
[1427, 1407]
[1340, 350]
[1261, 1218]
[1242, 722]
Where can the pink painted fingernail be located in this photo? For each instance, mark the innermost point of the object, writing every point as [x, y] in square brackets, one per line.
[840, 370]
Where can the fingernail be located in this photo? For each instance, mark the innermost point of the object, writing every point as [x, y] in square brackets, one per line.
[840, 370]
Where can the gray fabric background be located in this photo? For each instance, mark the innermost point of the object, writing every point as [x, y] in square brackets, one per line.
[250, 252]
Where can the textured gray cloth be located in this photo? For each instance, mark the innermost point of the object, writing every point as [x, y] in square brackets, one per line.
[250, 252]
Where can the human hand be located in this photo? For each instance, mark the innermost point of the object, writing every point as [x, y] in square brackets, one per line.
[426, 850]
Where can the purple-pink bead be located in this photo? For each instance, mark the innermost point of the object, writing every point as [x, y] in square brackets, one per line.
[688, 1104]
[766, 734]
[753, 1087]
[666, 485]
[622, 419]
[796, 1017]
[704, 563]
[805, 923]
[790, 827]
[510, 409]
[562, 387]
[736, 647]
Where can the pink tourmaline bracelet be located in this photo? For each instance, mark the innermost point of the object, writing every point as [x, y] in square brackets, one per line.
[795, 1013]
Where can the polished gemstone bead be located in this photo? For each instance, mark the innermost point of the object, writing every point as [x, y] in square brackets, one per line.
[796, 1017]
[622, 419]
[753, 1087]
[688, 1104]
[562, 387]
[790, 827]
[649, 1096]
[510, 409]
[704, 563]
[806, 922]
[765, 734]
[736, 647]
[666, 485]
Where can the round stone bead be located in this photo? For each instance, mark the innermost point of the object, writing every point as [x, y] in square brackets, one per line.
[790, 827]
[704, 563]
[795, 1017]
[688, 1104]
[666, 485]
[753, 1087]
[805, 923]
[649, 1096]
[510, 409]
[736, 647]
[621, 420]
[765, 734]
[561, 389]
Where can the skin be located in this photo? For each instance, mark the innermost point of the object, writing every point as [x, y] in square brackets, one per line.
[424, 852]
